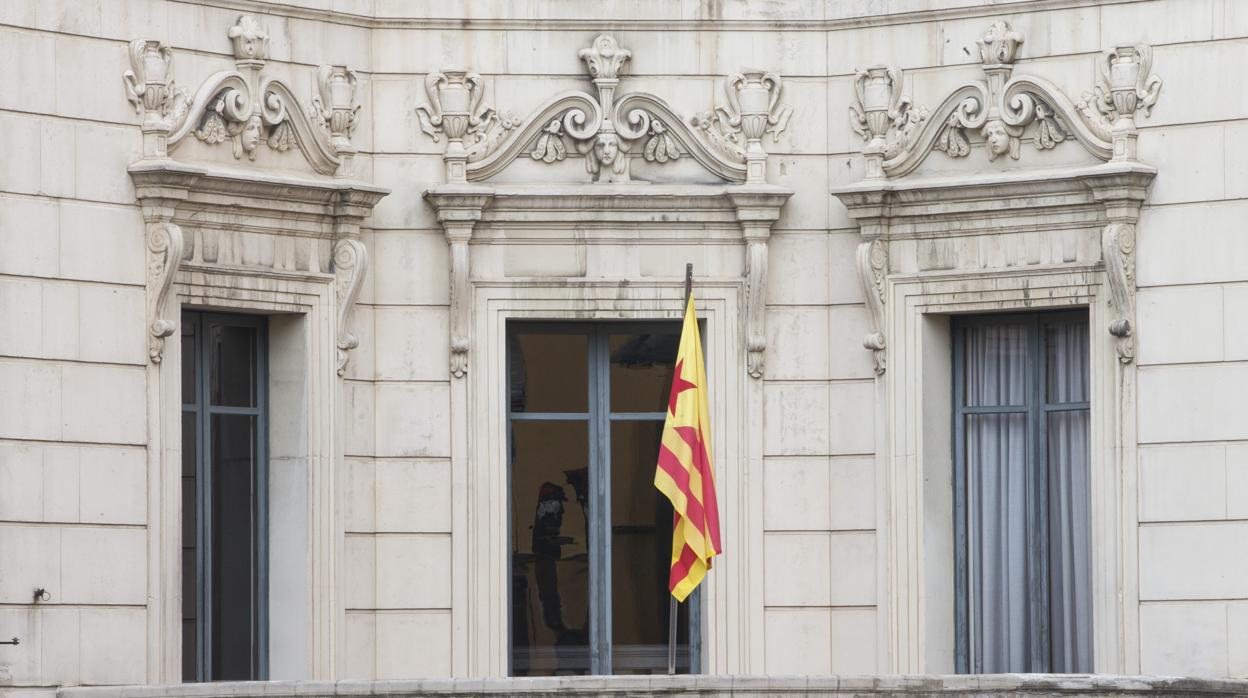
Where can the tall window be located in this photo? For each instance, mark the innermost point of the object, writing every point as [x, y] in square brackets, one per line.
[1021, 493]
[224, 496]
[590, 534]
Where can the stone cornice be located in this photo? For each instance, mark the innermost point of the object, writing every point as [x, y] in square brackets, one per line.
[691, 23]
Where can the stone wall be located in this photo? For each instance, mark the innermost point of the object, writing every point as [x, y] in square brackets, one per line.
[74, 417]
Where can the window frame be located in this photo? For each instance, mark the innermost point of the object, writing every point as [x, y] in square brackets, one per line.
[204, 411]
[599, 418]
[1037, 409]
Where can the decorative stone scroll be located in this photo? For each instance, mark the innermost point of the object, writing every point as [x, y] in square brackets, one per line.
[164, 252]
[244, 106]
[608, 131]
[1001, 108]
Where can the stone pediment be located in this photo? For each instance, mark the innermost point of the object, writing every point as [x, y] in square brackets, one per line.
[244, 116]
[997, 113]
[610, 134]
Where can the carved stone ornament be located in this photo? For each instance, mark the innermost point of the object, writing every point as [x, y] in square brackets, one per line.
[164, 252]
[1002, 108]
[607, 131]
[244, 106]
[872, 270]
[350, 266]
[1118, 249]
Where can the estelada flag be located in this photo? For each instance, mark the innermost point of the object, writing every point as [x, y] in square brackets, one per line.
[684, 474]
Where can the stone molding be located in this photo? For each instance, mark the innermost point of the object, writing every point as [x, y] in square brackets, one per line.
[251, 225]
[899, 136]
[609, 132]
[472, 213]
[245, 106]
[979, 686]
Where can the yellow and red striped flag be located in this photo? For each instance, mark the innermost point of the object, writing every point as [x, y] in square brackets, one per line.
[684, 474]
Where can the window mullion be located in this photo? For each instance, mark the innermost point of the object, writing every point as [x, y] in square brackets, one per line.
[204, 517]
[1036, 417]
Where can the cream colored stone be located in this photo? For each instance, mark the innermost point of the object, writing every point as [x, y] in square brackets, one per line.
[81, 68]
[114, 319]
[60, 645]
[1237, 481]
[1183, 639]
[113, 485]
[1167, 255]
[32, 561]
[361, 660]
[852, 426]
[1234, 330]
[797, 346]
[795, 494]
[101, 243]
[1237, 639]
[413, 571]
[98, 147]
[797, 264]
[853, 636]
[793, 419]
[1194, 561]
[798, 641]
[361, 572]
[413, 644]
[20, 140]
[103, 403]
[412, 419]
[84, 580]
[413, 496]
[1187, 170]
[1183, 483]
[21, 469]
[853, 494]
[113, 645]
[360, 495]
[1200, 307]
[405, 333]
[396, 253]
[28, 236]
[359, 405]
[798, 569]
[1186, 403]
[32, 409]
[853, 557]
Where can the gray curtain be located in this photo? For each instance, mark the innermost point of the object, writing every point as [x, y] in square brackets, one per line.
[1028, 584]
[1070, 515]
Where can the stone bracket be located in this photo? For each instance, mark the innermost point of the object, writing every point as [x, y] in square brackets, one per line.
[164, 253]
[459, 208]
[350, 266]
[872, 265]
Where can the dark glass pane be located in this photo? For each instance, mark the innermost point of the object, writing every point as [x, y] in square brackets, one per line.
[1070, 541]
[234, 535]
[1066, 362]
[1002, 539]
[232, 371]
[641, 370]
[550, 548]
[190, 558]
[549, 372]
[189, 365]
[641, 550]
[994, 365]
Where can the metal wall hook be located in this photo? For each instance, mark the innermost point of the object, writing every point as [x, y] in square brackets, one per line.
[42, 594]
[14, 641]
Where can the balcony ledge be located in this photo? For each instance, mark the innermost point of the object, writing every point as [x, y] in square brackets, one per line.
[978, 686]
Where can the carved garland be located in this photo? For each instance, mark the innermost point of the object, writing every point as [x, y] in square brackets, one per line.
[900, 136]
[608, 131]
[244, 106]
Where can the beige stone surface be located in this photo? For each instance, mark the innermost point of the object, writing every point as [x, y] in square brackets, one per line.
[396, 469]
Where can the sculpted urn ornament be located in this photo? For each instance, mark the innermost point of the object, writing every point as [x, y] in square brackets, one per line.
[997, 114]
[607, 130]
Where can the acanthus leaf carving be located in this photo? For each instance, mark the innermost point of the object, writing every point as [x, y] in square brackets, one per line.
[607, 132]
[164, 253]
[350, 266]
[872, 262]
[1118, 249]
[1002, 107]
[244, 105]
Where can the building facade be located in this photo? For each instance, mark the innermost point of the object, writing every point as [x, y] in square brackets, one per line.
[336, 337]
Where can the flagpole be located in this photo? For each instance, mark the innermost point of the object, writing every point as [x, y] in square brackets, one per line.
[671, 613]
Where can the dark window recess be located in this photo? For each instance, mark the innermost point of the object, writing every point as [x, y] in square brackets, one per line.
[224, 498]
[591, 536]
[1022, 506]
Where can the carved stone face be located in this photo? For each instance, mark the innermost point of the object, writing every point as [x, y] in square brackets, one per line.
[607, 148]
[250, 137]
[998, 139]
